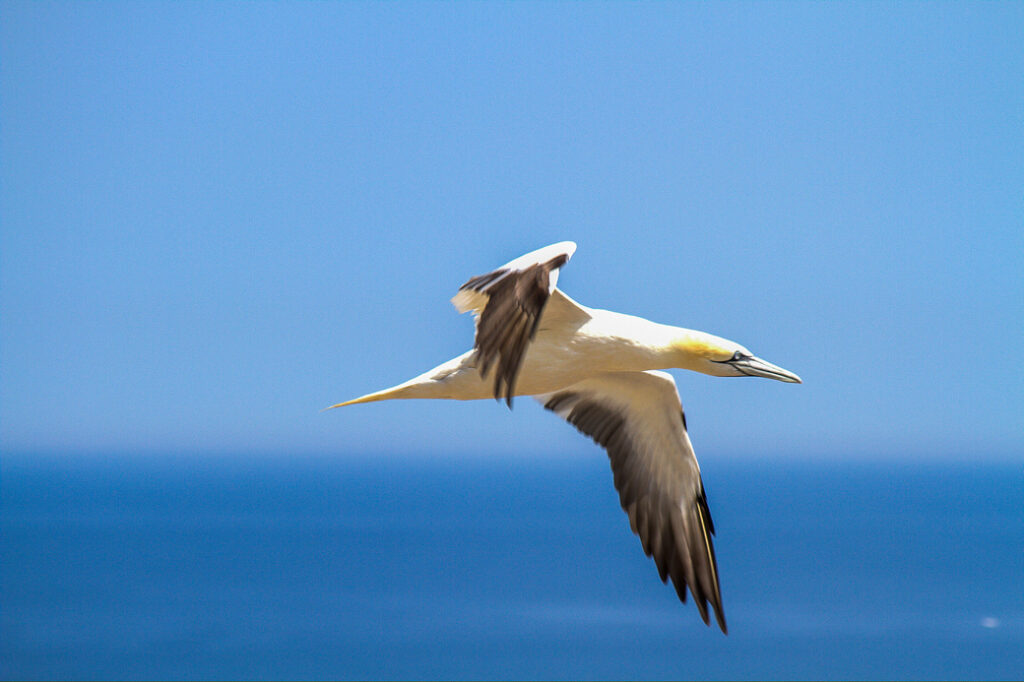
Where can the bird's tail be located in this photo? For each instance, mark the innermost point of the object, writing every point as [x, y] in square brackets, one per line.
[386, 394]
[424, 386]
[451, 380]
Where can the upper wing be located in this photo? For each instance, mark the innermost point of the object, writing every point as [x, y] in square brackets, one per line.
[637, 418]
[509, 302]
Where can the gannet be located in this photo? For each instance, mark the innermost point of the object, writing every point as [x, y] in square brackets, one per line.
[599, 370]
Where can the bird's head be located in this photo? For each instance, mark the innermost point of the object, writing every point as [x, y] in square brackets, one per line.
[720, 357]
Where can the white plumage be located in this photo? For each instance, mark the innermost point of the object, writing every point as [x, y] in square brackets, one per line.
[597, 370]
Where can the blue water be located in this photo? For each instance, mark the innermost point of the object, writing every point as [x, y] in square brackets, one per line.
[199, 568]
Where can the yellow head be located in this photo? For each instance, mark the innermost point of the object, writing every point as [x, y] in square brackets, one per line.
[709, 354]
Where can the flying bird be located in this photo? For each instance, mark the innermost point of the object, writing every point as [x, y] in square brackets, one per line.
[598, 370]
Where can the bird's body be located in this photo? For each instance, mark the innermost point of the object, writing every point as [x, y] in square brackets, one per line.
[572, 343]
[599, 370]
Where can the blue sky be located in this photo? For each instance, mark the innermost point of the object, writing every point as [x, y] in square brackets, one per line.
[218, 218]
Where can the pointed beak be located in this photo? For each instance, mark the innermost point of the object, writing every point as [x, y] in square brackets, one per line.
[756, 367]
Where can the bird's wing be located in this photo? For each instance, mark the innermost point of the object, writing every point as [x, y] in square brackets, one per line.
[638, 419]
[509, 303]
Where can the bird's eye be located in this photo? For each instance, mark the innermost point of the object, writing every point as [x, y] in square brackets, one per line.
[736, 356]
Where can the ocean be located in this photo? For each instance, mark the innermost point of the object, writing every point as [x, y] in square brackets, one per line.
[413, 568]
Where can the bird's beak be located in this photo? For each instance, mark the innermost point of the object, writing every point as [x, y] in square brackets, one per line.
[756, 367]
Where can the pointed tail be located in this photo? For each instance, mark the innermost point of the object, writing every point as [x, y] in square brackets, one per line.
[419, 387]
[386, 394]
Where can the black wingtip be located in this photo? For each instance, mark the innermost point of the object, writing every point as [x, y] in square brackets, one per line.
[719, 616]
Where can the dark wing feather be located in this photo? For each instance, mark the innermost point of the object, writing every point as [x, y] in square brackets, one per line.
[508, 322]
[655, 473]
